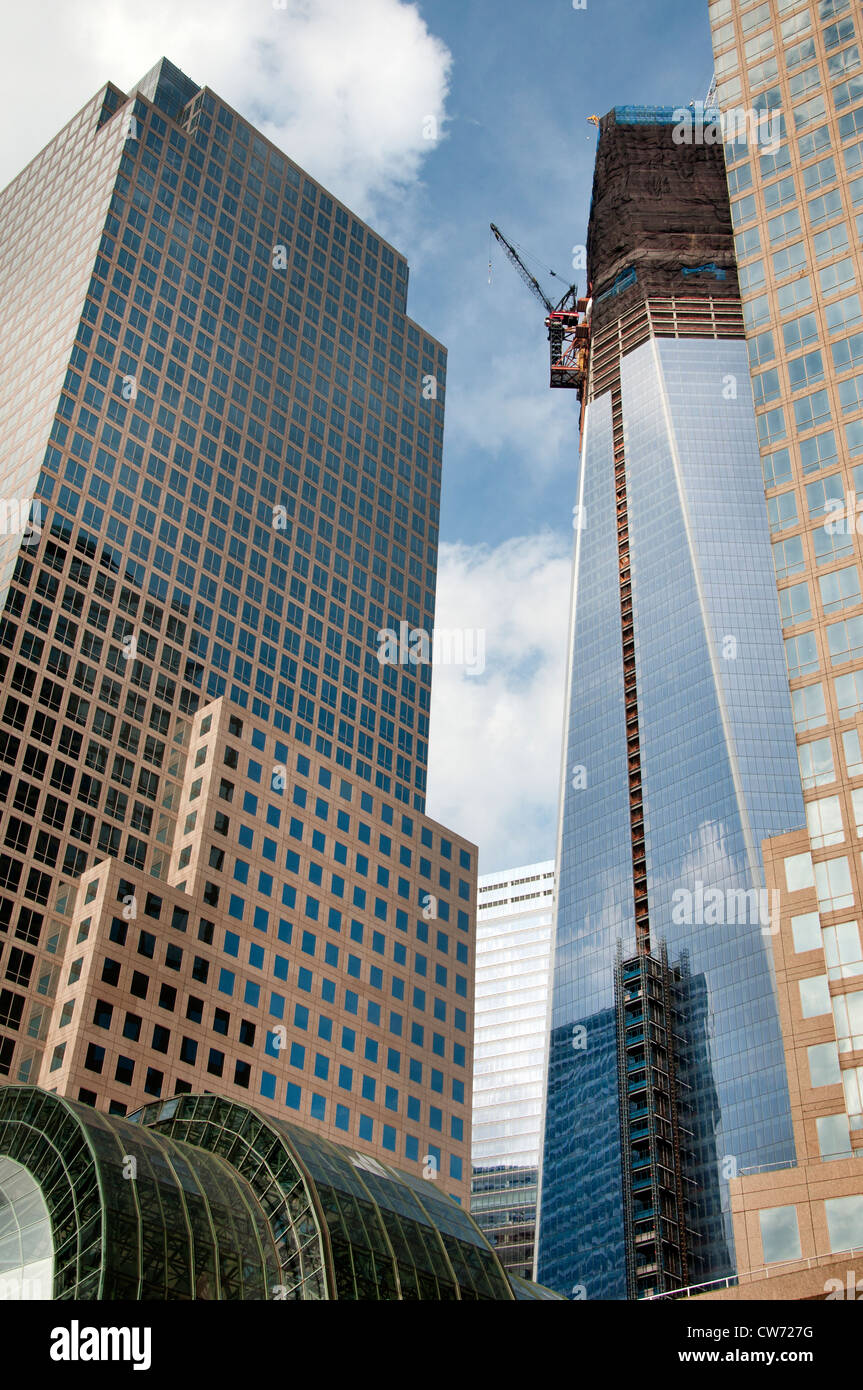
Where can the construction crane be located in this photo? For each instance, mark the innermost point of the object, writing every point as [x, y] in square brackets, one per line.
[568, 331]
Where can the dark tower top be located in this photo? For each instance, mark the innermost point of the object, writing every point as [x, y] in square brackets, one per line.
[659, 207]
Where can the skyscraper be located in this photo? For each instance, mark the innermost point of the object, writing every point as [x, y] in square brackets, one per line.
[513, 945]
[797, 211]
[797, 240]
[222, 440]
[665, 1055]
[798, 1228]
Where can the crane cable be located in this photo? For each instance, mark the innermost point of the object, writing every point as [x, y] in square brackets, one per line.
[529, 255]
[525, 255]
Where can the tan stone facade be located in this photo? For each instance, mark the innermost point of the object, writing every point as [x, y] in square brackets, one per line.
[798, 1231]
[798, 242]
[296, 961]
[235, 436]
[789, 75]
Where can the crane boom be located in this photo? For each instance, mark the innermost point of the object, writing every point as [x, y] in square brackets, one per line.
[515, 259]
[568, 325]
[568, 332]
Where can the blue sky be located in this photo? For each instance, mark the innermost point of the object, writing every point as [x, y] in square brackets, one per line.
[346, 87]
[519, 152]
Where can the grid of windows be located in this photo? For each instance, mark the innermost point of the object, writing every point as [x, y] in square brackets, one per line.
[239, 492]
[814, 483]
[324, 964]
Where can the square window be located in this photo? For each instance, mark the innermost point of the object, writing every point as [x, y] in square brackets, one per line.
[806, 932]
[814, 996]
[780, 1234]
[154, 1082]
[215, 1062]
[140, 984]
[844, 1222]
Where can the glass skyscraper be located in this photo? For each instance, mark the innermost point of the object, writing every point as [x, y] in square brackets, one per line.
[221, 445]
[666, 1066]
[513, 946]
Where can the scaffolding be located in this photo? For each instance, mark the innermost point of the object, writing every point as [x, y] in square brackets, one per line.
[655, 1145]
[667, 115]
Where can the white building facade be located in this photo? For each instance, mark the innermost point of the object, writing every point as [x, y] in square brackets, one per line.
[513, 946]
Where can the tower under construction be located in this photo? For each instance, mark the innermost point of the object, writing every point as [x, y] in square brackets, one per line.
[665, 1064]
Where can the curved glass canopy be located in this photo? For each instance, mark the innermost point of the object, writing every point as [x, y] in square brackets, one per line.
[132, 1214]
[204, 1198]
[348, 1225]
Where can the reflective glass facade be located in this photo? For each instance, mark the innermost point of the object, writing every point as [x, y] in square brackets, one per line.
[718, 755]
[595, 909]
[718, 774]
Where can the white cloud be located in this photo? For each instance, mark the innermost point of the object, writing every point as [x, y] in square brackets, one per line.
[496, 738]
[346, 89]
[509, 410]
